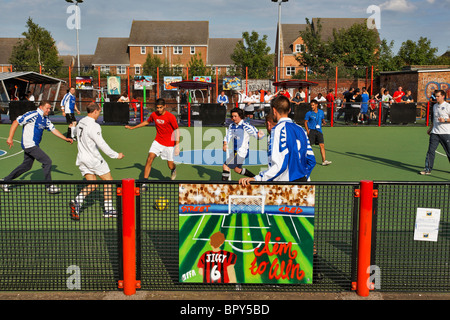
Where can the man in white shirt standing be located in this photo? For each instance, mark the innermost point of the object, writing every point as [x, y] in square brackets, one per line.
[91, 162]
[439, 131]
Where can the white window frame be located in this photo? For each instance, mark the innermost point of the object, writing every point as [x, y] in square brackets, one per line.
[143, 50]
[290, 71]
[177, 50]
[298, 48]
[192, 50]
[105, 69]
[121, 69]
[137, 69]
[157, 50]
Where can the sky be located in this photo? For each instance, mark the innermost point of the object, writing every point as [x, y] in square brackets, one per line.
[397, 20]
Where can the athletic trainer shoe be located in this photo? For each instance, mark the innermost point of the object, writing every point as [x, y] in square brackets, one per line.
[424, 172]
[326, 162]
[75, 210]
[174, 174]
[109, 213]
[53, 189]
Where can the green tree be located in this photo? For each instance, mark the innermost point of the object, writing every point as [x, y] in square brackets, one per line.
[388, 60]
[151, 65]
[417, 53]
[37, 49]
[356, 48]
[317, 54]
[351, 50]
[253, 52]
[197, 67]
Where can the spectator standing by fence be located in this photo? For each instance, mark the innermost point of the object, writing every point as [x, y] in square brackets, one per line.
[398, 95]
[330, 103]
[386, 101]
[439, 131]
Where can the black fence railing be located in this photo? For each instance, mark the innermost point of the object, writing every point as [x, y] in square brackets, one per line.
[43, 249]
[336, 114]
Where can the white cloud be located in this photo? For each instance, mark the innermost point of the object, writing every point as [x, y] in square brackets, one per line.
[398, 5]
[64, 48]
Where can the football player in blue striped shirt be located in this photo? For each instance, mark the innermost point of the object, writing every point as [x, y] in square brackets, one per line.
[238, 137]
[34, 123]
[290, 155]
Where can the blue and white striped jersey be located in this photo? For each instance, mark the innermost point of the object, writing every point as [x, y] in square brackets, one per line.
[290, 154]
[34, 123]
[68, 102]
[239, 134]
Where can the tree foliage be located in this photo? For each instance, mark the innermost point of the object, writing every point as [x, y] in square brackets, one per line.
[350, 48]
[37, 49]
[253, 52]
[417, 53]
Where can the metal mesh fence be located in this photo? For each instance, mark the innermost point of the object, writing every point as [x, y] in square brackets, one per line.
[406, 264]
[334, 260]
[42, 248]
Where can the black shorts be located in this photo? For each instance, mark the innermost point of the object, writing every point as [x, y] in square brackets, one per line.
[70, 117]
[315, 137]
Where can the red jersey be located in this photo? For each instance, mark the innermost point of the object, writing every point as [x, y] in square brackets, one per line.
[215, 264]
[398, 96]
[165, 126]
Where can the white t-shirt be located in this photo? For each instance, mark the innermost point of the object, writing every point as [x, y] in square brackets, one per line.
[441, 111]
[90, 139]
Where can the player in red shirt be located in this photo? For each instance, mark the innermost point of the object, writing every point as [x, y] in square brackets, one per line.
[217, 266]
[166, 143]
[398, 95]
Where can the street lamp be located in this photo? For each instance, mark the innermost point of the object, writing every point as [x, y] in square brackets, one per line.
[77, 25]
[279, 34]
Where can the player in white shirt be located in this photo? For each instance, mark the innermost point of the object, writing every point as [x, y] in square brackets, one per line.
[91, 162]
[439, 131]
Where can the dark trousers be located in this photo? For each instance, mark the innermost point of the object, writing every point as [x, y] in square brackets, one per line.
[435, 140]
[31, 154]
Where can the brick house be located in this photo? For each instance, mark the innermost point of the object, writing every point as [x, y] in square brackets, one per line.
[292, 44]
[6, 48]
[173, 41]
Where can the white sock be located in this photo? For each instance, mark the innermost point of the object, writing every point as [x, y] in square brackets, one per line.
[80, 199]
[108, 205]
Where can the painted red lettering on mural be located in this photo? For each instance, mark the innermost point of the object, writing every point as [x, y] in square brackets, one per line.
[195, 208]
[278, 269]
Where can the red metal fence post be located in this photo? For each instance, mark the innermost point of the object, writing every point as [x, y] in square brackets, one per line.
[129, 237]
[364, 237]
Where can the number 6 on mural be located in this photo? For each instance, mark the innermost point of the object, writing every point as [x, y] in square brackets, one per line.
[256, 234]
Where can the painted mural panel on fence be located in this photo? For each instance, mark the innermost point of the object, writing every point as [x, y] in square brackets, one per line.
[256, 234]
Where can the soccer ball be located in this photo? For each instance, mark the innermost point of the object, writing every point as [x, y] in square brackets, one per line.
[161, 203]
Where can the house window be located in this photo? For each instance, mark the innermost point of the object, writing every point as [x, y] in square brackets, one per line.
[121, 70]
[298, 48]
[192, 50]
[177, 50]
[104, 69]
[157, 50]
[290, 71]
[137, 70]
[143, 50]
